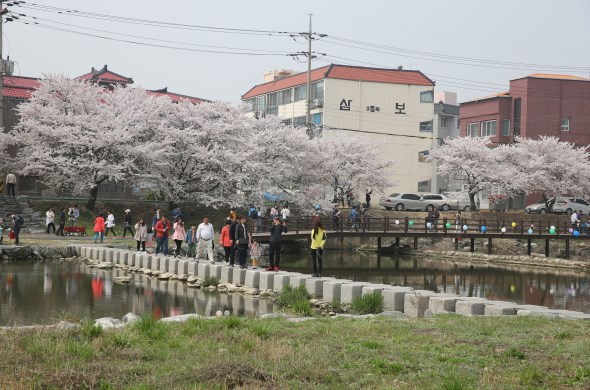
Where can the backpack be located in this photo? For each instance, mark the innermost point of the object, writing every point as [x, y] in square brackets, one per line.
[19, 221]
[253, 214]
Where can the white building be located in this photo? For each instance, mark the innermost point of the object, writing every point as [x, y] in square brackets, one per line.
[446, 125]
[393, 106]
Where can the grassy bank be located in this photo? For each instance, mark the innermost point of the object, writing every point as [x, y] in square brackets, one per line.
[445, 352]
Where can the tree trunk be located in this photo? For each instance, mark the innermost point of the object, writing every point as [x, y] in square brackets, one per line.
[472, 201]
[92, 200]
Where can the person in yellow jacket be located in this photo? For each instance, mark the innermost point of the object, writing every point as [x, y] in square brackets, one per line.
[318, 240]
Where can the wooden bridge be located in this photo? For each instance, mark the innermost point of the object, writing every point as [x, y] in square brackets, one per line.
[487, 229]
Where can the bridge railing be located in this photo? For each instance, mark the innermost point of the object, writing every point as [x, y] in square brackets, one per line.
[522, 226]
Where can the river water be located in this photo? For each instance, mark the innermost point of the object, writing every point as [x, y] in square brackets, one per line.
[42, 293]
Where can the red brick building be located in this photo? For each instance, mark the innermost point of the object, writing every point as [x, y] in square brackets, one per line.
[535, 105]
[18, 89]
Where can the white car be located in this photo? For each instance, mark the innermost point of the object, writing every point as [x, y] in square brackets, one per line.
[402, 202]
[439, 201]
[569, 205]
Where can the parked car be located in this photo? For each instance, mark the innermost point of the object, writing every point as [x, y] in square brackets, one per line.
[463, 199]
[569, 205]
[439, 201]
[402, 202]
[536, 208]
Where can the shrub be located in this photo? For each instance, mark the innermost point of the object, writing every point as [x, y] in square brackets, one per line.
[90, 331]
[151, 328]
[210, 282]
[295, 300]
[367, 304]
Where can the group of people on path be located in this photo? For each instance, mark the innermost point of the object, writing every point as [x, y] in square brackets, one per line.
[73, 214]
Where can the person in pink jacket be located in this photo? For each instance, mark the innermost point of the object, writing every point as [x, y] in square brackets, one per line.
[178, 235]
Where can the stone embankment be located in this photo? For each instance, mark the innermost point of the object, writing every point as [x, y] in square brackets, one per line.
[406, 300]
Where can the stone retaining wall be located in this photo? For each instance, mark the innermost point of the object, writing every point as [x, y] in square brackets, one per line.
[413, 303]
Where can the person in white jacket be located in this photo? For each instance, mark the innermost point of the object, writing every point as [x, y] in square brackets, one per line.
[50, 220]
[205, 236]
[110, 224]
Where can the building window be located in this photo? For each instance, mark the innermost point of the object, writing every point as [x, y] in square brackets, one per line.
[424, 186]
[284, 97]
[427, 97]
[565, 125]
[27, 183]
[286, 122]
[317, 119]
[472, 130]
[506, 127]
[516, 124]
[426, 126]
[272, 99]
[250, 104]
[300, 93]
[458, 124]
[488, 128]
[272, 111]
[317, 90]
[260, 105]
[423, 155]
[299, 121]
[443, 121]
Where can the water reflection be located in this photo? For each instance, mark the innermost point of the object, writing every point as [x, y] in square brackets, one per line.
[559, 289]
[40, 293]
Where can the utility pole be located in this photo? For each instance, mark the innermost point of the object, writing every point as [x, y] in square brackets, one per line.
[308, 106]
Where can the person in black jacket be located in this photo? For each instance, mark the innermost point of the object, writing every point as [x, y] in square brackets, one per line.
[232, 235]
[62, 223]
[242, 241]
[274, 245]
[128, 221]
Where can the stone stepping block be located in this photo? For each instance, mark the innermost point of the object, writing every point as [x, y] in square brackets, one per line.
[298, 280]
[332, 290]
[182, 268]
[267, 279]
[394, 297]
[374, 289]
[499, 310]
[540, 312]
[442, 304]
[163, 266]
[351, 290]
[203, 271]
[470, 307]
[227, 274]
[281, 280]
[172, 266]
[416, 303]
[215, 271]
[193, 268]
[315, 286]
[252, 279]
[239, 276]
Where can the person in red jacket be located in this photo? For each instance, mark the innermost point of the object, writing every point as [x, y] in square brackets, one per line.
[99, 228]
[163, 228]
[225, 240]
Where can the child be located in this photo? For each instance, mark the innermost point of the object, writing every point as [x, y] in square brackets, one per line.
[140, 234]
[225, 240]
[191, 241]
[178, 235]
[255, 253]
[458, 220]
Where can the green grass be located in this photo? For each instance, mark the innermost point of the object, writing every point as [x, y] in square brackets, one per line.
[443, 352]
[210, 281]
[368, 304]
[295, 300]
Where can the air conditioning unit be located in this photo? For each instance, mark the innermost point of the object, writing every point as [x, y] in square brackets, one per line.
[317, 103]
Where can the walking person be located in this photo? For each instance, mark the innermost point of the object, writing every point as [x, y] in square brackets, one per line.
[155, 219]
[71, 215]
[99, 228]
[11, 184]
[335, 218]
[575, 220]
[285, 213]
[225, 240]
[232, 235]
[354, 219]
[128, 222]
[162, 229]
[179, 235]
[76, 215]
[140, 235]
[110, 224]
[435, 217]
[458, 220]
[259, 219]
[62, 223]
[318, 240]
[274, 244]
[17, 224]
[191, 241]
[50, 220]
[368, 199]
[205, 236]
[242, 240]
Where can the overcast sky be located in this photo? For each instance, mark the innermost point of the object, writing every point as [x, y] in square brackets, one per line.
[552, 35]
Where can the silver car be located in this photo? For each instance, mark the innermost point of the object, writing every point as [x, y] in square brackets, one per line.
[402, 202]
[463, 199]
[439, 201]
[569, 205]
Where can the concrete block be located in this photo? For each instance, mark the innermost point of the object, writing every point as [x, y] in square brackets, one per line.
[182, 267]
[239, 276]
[540, 313]
[215, 271]
[252, 279]
[470, 307]
[94, 253]
[193, 267]
[331, 291]
[442, 304]
[415, 304]
[108, 255]
[124, 257]
[163, 266]
[349, 291]
[315, 287]
[172, 266]
[227, 275]
[266, 280]
[493, 310]
[203, 271]
[281, 279]
[373, 288]
[298, 280]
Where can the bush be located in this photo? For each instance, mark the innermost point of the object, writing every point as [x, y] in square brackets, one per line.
[90, 331]
[367, 304]
[295, 300]
[151, 328]
[213, 281]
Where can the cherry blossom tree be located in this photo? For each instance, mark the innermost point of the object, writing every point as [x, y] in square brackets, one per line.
[551, 167]
[75, 135]
[469, 159]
